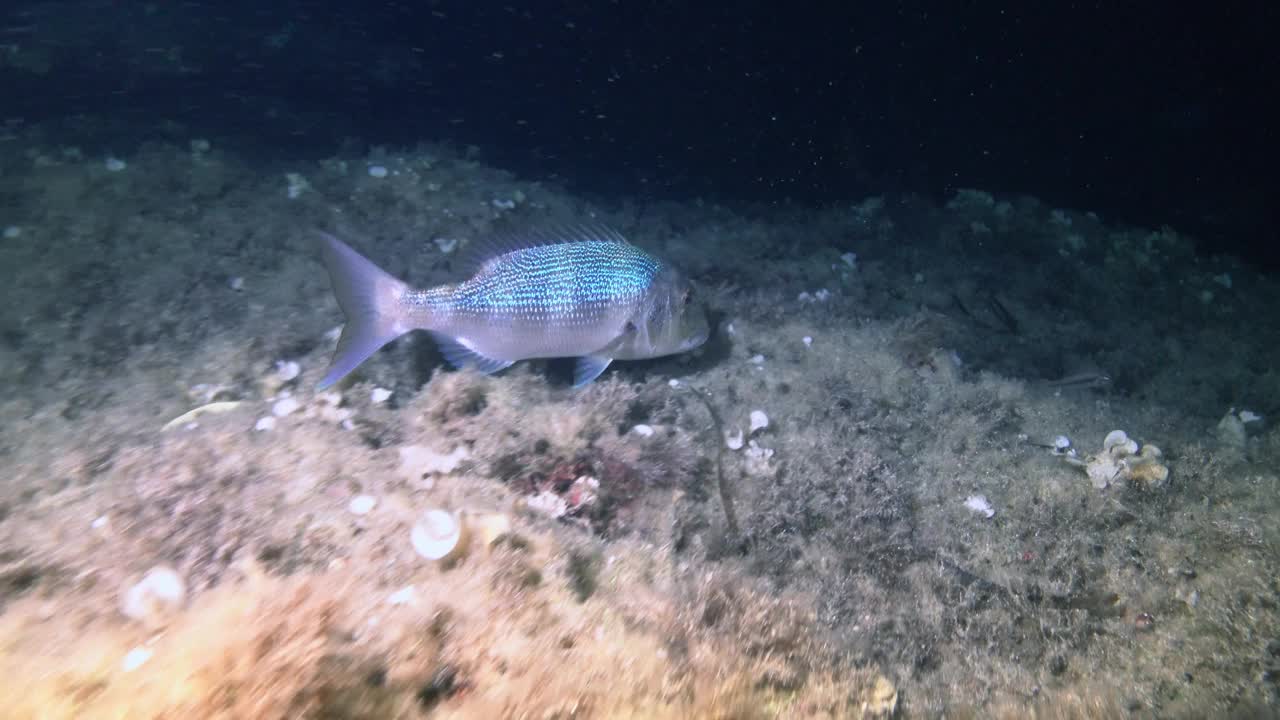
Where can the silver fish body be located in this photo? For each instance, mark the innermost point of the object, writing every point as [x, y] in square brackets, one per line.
[584, 294]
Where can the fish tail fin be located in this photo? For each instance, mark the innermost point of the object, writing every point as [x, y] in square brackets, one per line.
[370, 300]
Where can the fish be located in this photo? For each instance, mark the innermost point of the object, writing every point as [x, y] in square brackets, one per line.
[584, 293]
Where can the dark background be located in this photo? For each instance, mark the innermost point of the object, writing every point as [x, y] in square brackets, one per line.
[1148, 113]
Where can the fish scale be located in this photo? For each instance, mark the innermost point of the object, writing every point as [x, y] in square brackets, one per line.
[584, 294]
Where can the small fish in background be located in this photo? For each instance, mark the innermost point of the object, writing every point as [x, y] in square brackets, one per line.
[584, 293]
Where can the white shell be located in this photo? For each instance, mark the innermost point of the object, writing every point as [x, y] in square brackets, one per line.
[759, 421]
[287, 370]
[285, 407]
[1119, 444]
[135, 659]
[160, 593]
[734, 440]
[1114, 438]
[404, 596]
[212, 408]
[437, 535]
[980, 505]
[362, 504]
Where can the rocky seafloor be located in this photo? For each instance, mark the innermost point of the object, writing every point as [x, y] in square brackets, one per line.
[890, 484]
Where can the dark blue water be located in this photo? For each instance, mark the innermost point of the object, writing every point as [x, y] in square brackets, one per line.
[1149, 114]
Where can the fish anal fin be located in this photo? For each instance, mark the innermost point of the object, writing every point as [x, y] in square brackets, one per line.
[457, 353]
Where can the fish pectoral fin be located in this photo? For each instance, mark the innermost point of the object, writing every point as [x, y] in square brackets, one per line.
[588, 368]
[460, 356]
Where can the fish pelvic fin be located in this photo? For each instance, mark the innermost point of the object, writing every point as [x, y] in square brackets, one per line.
[371, 301]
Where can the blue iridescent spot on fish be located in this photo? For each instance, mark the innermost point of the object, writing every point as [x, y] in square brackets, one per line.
[580, 293]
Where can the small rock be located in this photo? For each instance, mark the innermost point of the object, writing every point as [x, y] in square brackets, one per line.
[265, 424]
[100, 522]
[297, 184]
[807, 340]
[757, 359]
[12, 232]
[443, 684]
[1252, 421]
[881, 699]
[417, 461]
[758, 459]
[114, 164]
[643, 430]
[235, 282]
[1058, 664]
[489, 527]
[377, 171]
[547, 503]
[331, 399]
[446, 245]
[379, 395]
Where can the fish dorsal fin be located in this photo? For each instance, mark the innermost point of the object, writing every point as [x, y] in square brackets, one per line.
[479, 253]
[588, 368]
[457, 353]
